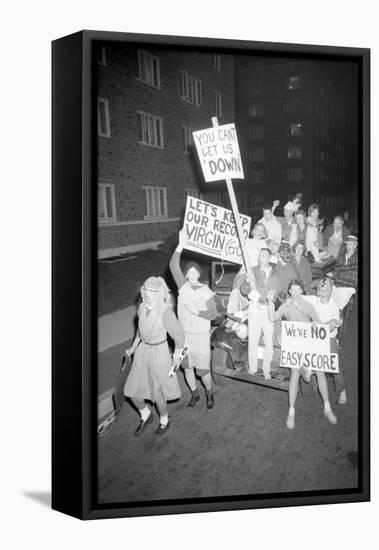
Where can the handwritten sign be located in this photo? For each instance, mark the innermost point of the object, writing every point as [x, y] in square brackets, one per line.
[219, 153]
[304, 344]
[211, 230]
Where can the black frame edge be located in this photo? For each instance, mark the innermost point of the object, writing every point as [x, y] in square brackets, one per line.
[67, 419]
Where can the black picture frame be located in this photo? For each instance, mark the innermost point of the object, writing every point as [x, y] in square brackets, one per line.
[74, 333]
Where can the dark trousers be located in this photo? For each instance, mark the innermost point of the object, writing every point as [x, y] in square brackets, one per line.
[338, 379]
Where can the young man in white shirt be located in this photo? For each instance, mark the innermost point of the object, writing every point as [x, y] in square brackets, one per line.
[273, 227]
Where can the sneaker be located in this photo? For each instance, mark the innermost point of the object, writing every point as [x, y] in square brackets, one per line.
[210, 399]
[267, 376]
[330, 416]
[291, 422]
[194, 399]
[342, 400]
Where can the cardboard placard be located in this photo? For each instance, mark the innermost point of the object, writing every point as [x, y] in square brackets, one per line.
[308, 345]
[219, 153]
[211, 230]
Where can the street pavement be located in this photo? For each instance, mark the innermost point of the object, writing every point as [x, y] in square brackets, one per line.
[241, 447]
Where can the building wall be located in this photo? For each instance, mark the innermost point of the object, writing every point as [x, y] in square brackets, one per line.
[324, 101]
[129, 165]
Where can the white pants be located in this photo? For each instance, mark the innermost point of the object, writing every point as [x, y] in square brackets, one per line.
[258, 321]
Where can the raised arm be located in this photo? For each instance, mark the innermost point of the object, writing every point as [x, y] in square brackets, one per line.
[272, 314]
[174, 264]
[275, 204]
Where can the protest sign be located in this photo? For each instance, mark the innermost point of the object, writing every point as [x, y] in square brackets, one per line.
[308, 345]
[219, 153]
[211, 230]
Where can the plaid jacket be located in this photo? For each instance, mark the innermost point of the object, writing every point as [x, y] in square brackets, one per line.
[347, 274]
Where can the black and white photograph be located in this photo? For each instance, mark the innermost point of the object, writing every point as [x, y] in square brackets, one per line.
[229, 214]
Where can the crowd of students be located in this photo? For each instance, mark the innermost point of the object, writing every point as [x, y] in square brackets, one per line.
[296, 266]
[281, 285]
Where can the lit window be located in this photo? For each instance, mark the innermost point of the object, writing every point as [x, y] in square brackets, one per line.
[256, 132]
[294, 106]
[187, 139]
[106, 204]
[217, 61]
[294, 152]
[193, 192]
[257, 155]
[155, 202]
[190, 89]
[295, 129]
[257, 176]
[218, 104]
[294, 82]
[150, 130]
[102, 56]
[148, 69]
[295, 174]
[103, 124]
[256, 109]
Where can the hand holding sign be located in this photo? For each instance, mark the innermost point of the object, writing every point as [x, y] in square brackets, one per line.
[183, 238]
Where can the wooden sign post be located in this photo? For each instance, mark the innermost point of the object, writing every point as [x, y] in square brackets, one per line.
[233, 202]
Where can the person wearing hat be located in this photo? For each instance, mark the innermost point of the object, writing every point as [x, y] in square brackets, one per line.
[196, 310]
[346, 268]
[149, 375]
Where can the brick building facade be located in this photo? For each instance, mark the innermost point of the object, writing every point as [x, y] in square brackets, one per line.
[149, 101]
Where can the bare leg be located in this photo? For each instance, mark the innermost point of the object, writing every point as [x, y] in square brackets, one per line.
[161, 404]
[293, 387]
[323, 389]
[292, 393]
[139, 404]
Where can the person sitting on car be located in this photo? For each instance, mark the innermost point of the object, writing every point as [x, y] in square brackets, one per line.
[334, 236]
[299, 228]
[346, 268]
[273, 227]
[301, 266]
[286, 271]
[287, 221]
